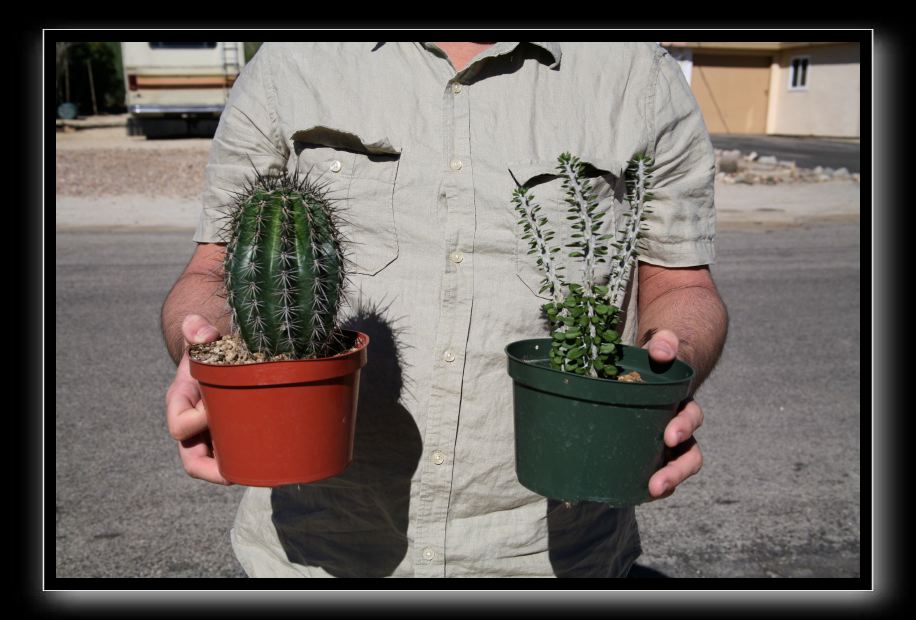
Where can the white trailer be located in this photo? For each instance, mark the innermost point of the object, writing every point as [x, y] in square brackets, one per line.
[176, 88]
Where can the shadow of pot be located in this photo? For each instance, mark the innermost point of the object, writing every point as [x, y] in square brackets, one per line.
[580, 438]
[284, 422]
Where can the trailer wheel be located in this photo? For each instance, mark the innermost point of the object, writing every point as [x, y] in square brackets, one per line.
[133, 127]
[154, 128]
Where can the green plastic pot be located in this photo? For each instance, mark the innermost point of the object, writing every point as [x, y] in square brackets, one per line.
[585, 439]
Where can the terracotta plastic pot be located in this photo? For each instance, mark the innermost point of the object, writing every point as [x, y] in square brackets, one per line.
[585, 439]
[276, 423]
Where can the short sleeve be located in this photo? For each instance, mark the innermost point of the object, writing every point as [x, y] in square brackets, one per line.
[682, 224]
[247, 139]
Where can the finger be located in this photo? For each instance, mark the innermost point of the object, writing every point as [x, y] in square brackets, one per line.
[185, 413]
[663, 346]
[687, 463]
[684, 424]
[196, 329]
[197, 459]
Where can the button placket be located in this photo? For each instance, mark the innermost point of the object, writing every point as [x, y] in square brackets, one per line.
[454, 321]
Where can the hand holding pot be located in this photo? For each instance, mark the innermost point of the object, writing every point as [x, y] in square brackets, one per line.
[185, 413]
[688, 459]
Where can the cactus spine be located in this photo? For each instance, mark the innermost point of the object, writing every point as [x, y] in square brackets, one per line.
[584, 317]
[284, 268]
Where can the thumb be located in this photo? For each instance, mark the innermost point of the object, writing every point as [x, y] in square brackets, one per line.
[663, 346]
[197, 329]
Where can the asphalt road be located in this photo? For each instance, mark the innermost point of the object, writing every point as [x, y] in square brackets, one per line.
[805, 152]
[778, 495]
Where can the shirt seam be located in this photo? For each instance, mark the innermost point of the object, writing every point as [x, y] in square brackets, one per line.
[272, 97]
[651, 110]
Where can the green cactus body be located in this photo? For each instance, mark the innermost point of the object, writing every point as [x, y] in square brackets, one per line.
[284, 268]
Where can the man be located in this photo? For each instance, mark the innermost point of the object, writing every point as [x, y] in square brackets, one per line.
[419, 143]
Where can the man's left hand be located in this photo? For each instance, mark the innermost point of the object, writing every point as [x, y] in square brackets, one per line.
[686, 459]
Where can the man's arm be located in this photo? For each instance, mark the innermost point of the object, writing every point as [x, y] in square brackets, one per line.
[686, 302]
[198, 291]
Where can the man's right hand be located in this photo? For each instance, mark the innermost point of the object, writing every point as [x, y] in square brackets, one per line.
[185, 413]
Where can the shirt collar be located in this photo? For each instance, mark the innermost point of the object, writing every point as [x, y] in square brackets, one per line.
[552, 48]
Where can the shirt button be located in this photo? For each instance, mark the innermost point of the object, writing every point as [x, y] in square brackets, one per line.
[456, 164]
[448, 356]
[438, 457]
[335, 166]
[456, 88]
[428, 554]
[456, 257]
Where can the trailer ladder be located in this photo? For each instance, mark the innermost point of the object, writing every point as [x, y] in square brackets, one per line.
[231, 64]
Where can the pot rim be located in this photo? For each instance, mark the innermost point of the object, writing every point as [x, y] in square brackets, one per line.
[537, 363]
[284, 372]
[536, 373]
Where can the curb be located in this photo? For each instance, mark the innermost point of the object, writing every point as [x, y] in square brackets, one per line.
[90, 123]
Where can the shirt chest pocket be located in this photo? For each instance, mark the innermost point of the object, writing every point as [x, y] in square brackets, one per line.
[359, 175]
[546, 184]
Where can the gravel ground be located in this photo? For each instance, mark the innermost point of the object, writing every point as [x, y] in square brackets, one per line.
[107, 162]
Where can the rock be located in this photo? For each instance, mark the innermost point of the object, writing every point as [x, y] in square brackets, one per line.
[752, 156]
[783, 163]
[854, 176]
[768, 160]
[840, 173]
[728, 164]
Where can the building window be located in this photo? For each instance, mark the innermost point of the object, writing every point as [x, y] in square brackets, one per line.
[798, 73]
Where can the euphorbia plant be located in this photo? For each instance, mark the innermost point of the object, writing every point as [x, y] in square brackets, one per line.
[584, 315]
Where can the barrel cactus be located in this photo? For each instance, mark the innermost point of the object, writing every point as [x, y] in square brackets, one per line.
[284, 268]
[584, 316]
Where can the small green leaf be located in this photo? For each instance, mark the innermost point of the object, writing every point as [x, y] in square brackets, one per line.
[576, 353]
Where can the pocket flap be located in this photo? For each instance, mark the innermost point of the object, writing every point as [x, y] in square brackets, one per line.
[345, 140]
[533, 172]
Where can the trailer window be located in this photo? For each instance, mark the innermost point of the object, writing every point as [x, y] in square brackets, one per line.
[181, 45]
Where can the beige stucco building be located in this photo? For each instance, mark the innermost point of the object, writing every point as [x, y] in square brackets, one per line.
[800, 89]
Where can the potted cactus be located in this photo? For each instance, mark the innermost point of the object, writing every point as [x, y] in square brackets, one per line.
[590, 412]
[281, 390]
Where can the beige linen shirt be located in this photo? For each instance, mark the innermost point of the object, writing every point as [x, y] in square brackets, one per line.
[421, 160]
